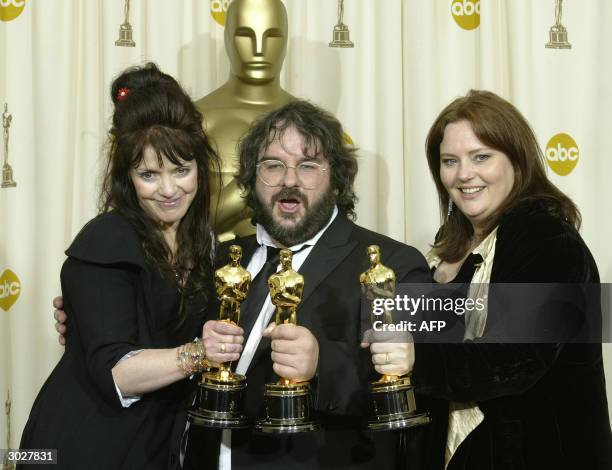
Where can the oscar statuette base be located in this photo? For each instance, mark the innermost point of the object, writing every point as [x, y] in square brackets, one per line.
[125, 36]
[341, 37]
[219, 402]
[288, 409]
[7, 177]
[392, 406]
[558, 38]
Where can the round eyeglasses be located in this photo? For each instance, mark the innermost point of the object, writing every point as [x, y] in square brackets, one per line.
[273, 172]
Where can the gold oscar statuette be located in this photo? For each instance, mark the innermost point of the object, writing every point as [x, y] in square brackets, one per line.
[125, 30]
[220, 397]
[7, 171]
[288, 403]
[558, 32]
[341, 31]
[392, 402]
[256, 43]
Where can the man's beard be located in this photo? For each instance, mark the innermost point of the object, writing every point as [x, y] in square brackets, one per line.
[314, 219]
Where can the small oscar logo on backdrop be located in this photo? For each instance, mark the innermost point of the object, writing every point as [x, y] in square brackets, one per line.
[7, 170]
[10, 289]
[218, 10]
[558, 32]
[341, 31]
[7, 412]
[11, 9]
[466, 13]
[562, 154]
[125, 30]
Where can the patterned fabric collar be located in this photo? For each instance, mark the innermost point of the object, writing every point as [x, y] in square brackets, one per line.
[486, 249]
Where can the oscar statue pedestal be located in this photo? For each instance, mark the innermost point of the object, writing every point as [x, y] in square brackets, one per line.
[341, 36]
[219, 402]
[392, 405]
[558, 38]
[288, 409]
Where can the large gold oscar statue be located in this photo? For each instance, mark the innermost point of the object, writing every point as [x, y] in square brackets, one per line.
[256, 43]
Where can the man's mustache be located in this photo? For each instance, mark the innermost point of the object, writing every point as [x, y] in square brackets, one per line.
[290, 193]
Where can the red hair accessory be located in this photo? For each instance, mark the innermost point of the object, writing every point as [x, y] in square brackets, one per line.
[122, 93]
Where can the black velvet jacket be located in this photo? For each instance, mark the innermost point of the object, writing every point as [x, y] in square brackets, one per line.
[544, 404]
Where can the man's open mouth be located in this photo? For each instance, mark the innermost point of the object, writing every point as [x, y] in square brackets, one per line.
[289, 205]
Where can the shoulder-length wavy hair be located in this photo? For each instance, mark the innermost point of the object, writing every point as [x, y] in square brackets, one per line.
[499, 125]
[322, 135]
[152, 111]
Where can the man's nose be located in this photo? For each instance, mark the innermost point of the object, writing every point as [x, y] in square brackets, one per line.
[291, 178]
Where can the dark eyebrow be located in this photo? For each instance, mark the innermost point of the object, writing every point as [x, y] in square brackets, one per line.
[306, 158]
[481, 150]
[315, 158]
[471, 152]
[145, 169]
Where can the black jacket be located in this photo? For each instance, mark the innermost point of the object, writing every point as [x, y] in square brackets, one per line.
[544, 404]
[116, 303]
[331, 310]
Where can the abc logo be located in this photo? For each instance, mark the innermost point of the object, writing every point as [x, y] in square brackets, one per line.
[466, 13]
[218, 9]
[10, 288]
[562, 154]
[11, 9]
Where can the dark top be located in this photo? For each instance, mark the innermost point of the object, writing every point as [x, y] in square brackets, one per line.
[545, 405]
[116, 303]
[330, 309]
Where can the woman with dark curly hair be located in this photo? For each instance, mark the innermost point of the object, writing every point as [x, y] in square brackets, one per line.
[136, 283]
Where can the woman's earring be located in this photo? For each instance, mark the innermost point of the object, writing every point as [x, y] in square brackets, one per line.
[450, 208]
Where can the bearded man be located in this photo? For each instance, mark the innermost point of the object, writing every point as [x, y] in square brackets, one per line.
[297, 174]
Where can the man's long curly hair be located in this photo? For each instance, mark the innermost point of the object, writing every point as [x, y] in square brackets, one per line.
[322, 135]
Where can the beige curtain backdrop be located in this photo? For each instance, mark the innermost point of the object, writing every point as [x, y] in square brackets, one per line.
[410, 59]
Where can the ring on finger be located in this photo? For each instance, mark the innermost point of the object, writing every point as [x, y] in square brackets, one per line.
[222, 348]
